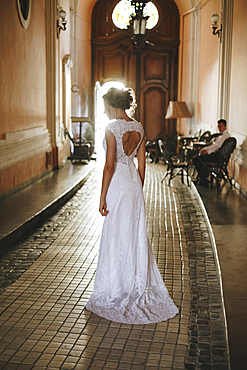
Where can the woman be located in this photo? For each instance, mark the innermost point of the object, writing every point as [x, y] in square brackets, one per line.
[128, 287]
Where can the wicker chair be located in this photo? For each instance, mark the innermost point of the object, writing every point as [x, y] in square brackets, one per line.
[219, 170]
[176, 164]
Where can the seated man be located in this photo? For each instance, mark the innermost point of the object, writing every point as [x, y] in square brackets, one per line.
[210, 153]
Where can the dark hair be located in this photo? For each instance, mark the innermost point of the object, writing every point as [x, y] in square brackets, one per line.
[222, 121]
[123, 99]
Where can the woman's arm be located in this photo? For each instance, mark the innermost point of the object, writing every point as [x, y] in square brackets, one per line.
[141, 157]
[108, 170]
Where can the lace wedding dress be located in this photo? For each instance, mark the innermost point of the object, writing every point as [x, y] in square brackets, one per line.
[128, 286]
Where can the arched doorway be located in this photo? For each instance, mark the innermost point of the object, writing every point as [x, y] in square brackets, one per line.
[151, 72]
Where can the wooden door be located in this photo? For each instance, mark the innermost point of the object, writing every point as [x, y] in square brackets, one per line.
[150, 71]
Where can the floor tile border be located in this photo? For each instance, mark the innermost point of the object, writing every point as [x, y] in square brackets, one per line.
[193, 360]
[214, 247]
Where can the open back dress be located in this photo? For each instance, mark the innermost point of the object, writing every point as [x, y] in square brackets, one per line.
[128, 286]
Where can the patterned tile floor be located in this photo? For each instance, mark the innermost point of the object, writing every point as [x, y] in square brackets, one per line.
[50, 277]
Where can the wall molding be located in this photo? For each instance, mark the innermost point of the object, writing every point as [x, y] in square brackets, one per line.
[67, 64]
[194, 65]
[20, 145]
[240, 153]
[225, 59]
[51, 66]
[240, 189]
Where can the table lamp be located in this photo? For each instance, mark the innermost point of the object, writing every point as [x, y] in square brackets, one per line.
[177, 109]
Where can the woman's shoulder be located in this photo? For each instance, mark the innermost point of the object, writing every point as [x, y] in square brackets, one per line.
[137, 125]
[111, 126]
[123, 125]
[132, 123]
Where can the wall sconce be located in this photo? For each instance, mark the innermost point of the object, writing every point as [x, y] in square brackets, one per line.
[62, 15]
[215, 18]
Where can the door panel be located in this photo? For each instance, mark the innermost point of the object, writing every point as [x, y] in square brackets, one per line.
[156, 67]
[151, 72]
[155, 91]
[113, 65]
[153, 107]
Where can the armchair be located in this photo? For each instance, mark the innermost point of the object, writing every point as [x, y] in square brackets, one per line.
[219, 170]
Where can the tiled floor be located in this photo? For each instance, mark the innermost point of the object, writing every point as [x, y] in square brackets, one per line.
[44, 324]
[27, 208]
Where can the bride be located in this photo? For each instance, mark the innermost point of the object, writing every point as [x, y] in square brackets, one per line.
[128, 286]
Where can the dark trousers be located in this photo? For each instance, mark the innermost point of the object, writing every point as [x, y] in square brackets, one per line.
[204, 158]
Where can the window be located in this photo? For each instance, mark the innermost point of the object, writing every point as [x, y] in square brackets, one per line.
[123, 11]
[24, 11]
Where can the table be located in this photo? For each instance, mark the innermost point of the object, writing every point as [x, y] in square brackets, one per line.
[185, 140]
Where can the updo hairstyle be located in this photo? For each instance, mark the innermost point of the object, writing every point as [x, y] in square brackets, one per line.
[123, 99]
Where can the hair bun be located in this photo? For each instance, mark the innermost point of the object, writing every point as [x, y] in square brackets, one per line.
[123, 99]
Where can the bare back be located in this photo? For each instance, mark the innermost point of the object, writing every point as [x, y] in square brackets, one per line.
[130, 141]
[128, 135]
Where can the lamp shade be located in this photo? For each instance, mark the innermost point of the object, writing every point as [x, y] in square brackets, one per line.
[177, 109]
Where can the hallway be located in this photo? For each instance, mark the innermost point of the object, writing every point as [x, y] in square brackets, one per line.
[50, 227]
[45, 326]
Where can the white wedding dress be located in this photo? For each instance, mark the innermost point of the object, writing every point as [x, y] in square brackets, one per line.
[128, 286]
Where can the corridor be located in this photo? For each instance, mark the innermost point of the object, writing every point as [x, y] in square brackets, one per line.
[47, 279]
[58, 58]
